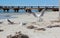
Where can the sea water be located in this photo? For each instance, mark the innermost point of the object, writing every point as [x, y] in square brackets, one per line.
[5, 15]
[20, 11]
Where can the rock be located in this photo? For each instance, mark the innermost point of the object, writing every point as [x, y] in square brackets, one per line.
[31, 27]
[18, 35]
[1, 30]
[24, 36]
[24, 23]
[56, 26]
[53, 26]
[43, 29]
[49, 26]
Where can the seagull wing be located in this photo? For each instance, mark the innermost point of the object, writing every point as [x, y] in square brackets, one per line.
[34, 14]
[42, 12]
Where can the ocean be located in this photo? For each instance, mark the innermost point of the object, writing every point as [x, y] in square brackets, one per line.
[6, 15]
[20, 11]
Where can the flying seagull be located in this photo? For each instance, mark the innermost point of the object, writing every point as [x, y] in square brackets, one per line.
[40, 14]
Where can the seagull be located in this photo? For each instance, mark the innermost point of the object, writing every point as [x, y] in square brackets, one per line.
[39, 15]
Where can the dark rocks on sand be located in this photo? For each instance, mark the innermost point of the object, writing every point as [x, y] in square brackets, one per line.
[49, 26]
[24, 23]
[14, 37]
[43, 29]
[56, 26]
[53, 26]
[1, 30]
[31, 27]
[18, 35]
[24, 36]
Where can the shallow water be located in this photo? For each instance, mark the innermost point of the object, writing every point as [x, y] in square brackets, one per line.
[20, 11]
[6, 16]
[12, 11]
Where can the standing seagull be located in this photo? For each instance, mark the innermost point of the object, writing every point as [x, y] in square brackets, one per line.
[39, 15]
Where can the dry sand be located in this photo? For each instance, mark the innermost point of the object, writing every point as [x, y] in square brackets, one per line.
[29, 18]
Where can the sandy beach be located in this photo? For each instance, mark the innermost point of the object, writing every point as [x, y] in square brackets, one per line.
[11, 29]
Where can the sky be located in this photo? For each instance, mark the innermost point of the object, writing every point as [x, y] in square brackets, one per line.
[28, 2]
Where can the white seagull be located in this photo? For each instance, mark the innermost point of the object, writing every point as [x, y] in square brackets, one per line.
[39, 15]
